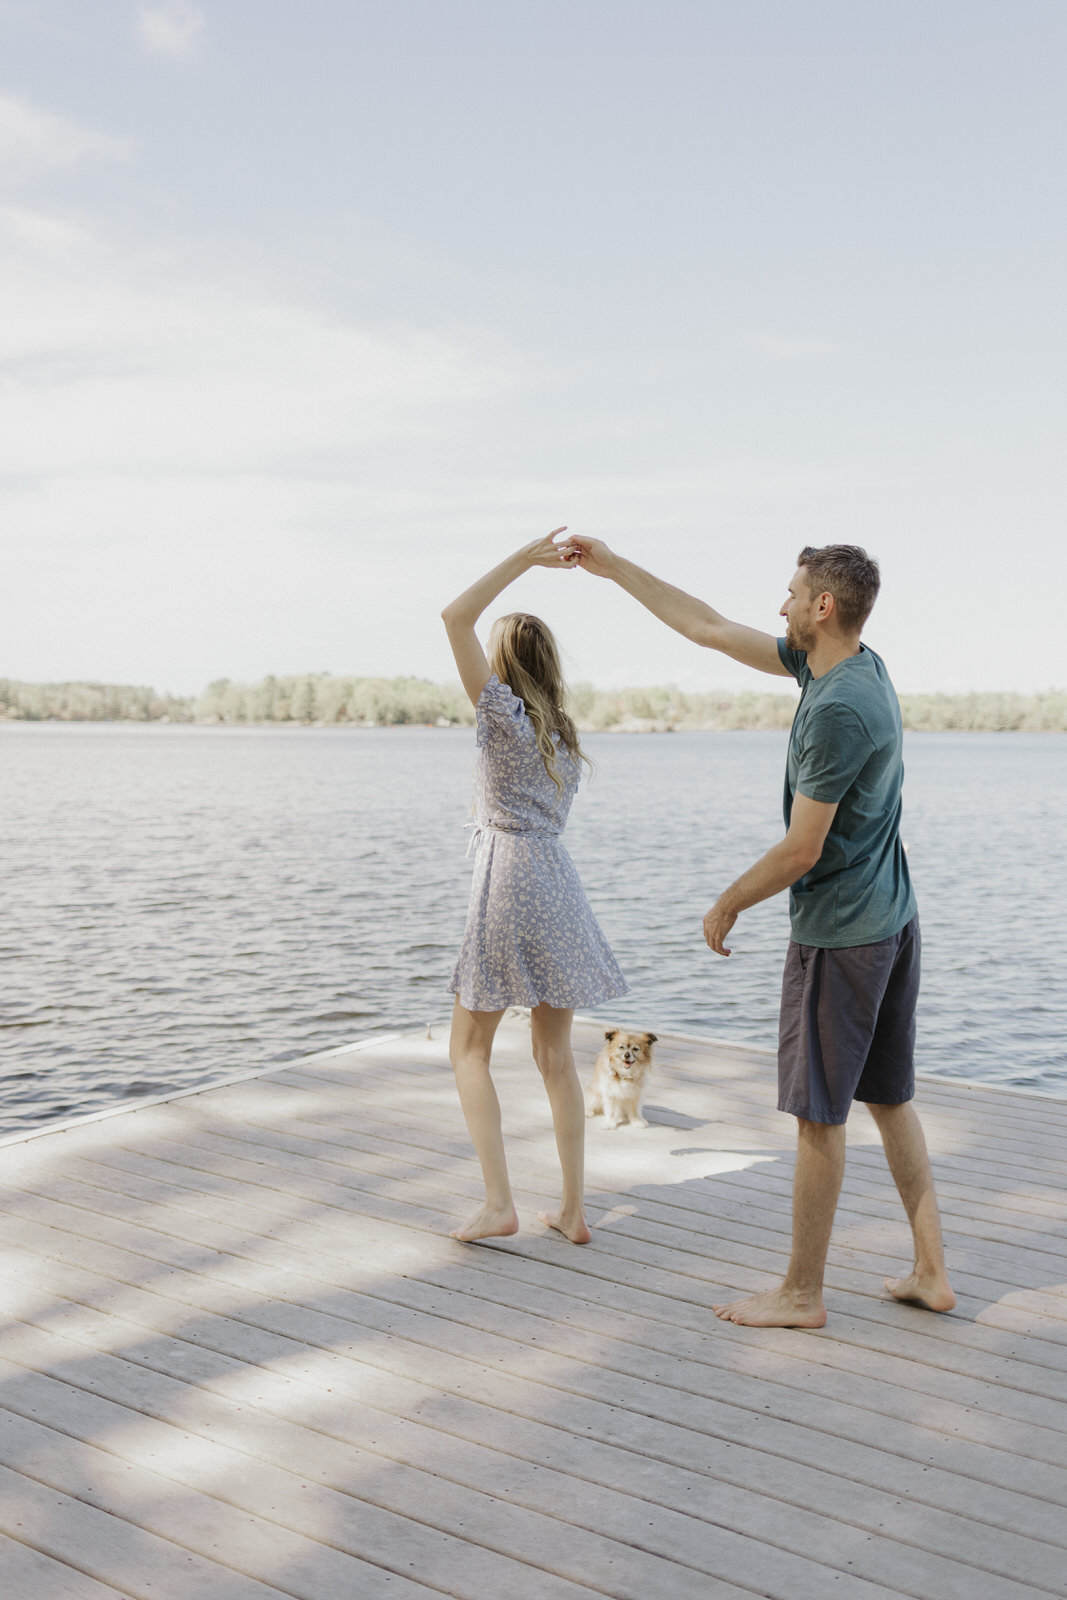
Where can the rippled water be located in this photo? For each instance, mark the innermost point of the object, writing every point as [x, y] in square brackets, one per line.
[182, 903]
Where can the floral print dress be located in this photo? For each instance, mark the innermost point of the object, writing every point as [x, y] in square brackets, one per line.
[531, 937]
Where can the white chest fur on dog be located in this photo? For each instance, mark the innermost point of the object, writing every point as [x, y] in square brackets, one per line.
[619, 1077]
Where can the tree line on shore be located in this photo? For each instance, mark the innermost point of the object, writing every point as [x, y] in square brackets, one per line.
[324, 700]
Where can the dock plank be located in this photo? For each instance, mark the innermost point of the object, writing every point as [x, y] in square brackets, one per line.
[541, 1286]
[112, 1549]
[459, 1304]
[25, 1572]
[240, 1337]
[559, 1457]
[435, 1319]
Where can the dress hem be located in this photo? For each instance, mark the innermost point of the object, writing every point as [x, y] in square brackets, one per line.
[570, 1003]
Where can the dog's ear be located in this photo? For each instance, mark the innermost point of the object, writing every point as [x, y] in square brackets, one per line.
[609, 1033]
[650, 1038]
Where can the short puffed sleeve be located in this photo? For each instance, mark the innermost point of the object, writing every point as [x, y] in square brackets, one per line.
[498, 712]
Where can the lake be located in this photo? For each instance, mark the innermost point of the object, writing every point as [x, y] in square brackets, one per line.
[181, 903]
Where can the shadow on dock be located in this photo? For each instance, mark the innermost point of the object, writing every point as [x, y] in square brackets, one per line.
[242, 1358]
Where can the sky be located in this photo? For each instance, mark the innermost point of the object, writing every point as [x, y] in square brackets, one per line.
[312, 313]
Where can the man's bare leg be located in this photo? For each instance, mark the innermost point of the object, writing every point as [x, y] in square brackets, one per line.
[551, 1038]
[905, 1150]
[798, 1302]
[469, 1047]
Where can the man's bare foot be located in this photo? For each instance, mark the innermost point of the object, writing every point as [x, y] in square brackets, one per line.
[488, 1223]
[572, 1225]
[775, 1308]
[933, 1292]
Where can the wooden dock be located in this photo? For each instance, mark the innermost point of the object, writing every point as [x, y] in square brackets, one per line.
[241, 1358]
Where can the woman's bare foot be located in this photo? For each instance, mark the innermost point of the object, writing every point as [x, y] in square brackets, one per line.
[488, 1223]
[572, 1225]
[775, 1308]
[933, 1292]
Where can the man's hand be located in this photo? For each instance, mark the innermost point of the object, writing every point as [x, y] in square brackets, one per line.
[592, 554]
[717, 925]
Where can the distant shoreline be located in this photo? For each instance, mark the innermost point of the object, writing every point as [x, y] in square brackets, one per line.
[633, 726]
[322, 700]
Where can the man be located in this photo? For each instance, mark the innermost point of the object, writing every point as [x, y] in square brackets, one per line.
[847, 1024]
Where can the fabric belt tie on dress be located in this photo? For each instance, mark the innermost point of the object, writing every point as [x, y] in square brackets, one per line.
[480, 829]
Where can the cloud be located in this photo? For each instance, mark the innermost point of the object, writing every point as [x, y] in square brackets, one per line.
[171, 28]
[116, 365]
[37, 231]
[33, 138]
[190, 459]
[183, 459]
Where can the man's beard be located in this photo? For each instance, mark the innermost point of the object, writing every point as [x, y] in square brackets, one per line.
[799, 639]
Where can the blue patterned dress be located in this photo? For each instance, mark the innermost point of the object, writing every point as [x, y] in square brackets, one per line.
[531, 937]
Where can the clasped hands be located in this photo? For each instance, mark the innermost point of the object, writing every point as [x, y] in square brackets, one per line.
[591, 554]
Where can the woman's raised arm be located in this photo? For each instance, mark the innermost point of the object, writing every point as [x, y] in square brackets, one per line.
[461, 614]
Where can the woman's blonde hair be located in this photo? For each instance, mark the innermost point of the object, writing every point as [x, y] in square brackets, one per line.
[523, 654]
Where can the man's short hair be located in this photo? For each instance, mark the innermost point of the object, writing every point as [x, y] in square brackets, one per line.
[849, 574]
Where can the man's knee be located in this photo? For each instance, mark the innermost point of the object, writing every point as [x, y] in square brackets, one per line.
[887, 1116]
[819, 1131]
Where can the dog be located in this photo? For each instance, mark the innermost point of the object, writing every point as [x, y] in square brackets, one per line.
[619, 1077]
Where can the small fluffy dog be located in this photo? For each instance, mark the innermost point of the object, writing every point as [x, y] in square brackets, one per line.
[619, 1078]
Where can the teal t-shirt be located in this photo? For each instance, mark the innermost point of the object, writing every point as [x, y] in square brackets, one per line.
[847, 747]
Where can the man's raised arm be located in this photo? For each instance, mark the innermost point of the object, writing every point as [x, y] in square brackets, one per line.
[680, 611]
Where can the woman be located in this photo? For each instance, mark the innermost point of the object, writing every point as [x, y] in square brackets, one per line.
[531, 938]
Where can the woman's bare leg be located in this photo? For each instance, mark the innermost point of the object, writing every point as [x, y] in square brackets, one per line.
[551, 1033]
[470, 1046]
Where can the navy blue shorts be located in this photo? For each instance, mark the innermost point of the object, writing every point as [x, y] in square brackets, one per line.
[847, 1026]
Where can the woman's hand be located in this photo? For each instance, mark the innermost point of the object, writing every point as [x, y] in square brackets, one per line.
[547, 553]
